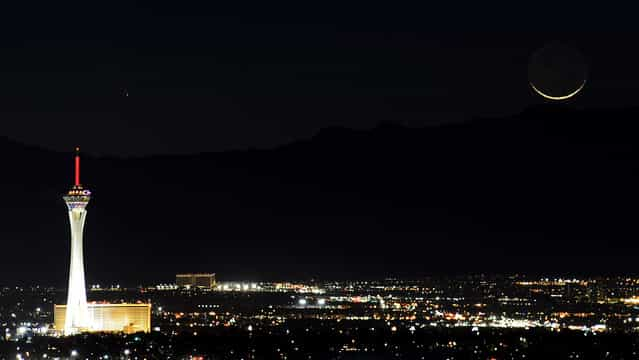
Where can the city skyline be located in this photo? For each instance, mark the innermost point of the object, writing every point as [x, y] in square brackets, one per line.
[478, 317]
[319, 181]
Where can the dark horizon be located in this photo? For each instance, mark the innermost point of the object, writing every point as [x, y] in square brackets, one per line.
[569, 106]
[346, 204]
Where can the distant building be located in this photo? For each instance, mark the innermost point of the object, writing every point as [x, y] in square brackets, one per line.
[195, 280]
[127, 318]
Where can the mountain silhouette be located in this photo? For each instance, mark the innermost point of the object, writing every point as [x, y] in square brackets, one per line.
[552, 189]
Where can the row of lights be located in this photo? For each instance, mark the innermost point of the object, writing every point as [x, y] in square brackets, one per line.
[304, 302]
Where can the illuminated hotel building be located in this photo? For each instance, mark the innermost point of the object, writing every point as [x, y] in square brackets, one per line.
[195, 280]
[127, 318]
[77, 315]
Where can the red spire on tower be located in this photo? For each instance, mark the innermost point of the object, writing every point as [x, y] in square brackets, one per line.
[77, 166]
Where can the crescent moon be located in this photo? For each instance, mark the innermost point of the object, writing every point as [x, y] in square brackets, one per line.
[564, 97]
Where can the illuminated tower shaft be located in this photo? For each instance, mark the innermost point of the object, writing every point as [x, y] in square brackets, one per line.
[77, 312]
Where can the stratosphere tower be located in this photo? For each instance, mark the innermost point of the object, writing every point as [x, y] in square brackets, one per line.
[77, 312]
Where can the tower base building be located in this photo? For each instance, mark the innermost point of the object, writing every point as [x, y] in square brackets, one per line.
[126, 318]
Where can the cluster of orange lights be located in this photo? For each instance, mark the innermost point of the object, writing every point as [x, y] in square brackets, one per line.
[565, 314]
[79, 192]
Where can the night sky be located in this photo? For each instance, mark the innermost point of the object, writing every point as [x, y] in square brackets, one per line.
[236, 75]
[267, 140]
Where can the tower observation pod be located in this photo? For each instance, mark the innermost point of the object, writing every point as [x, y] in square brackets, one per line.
[77, 312]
